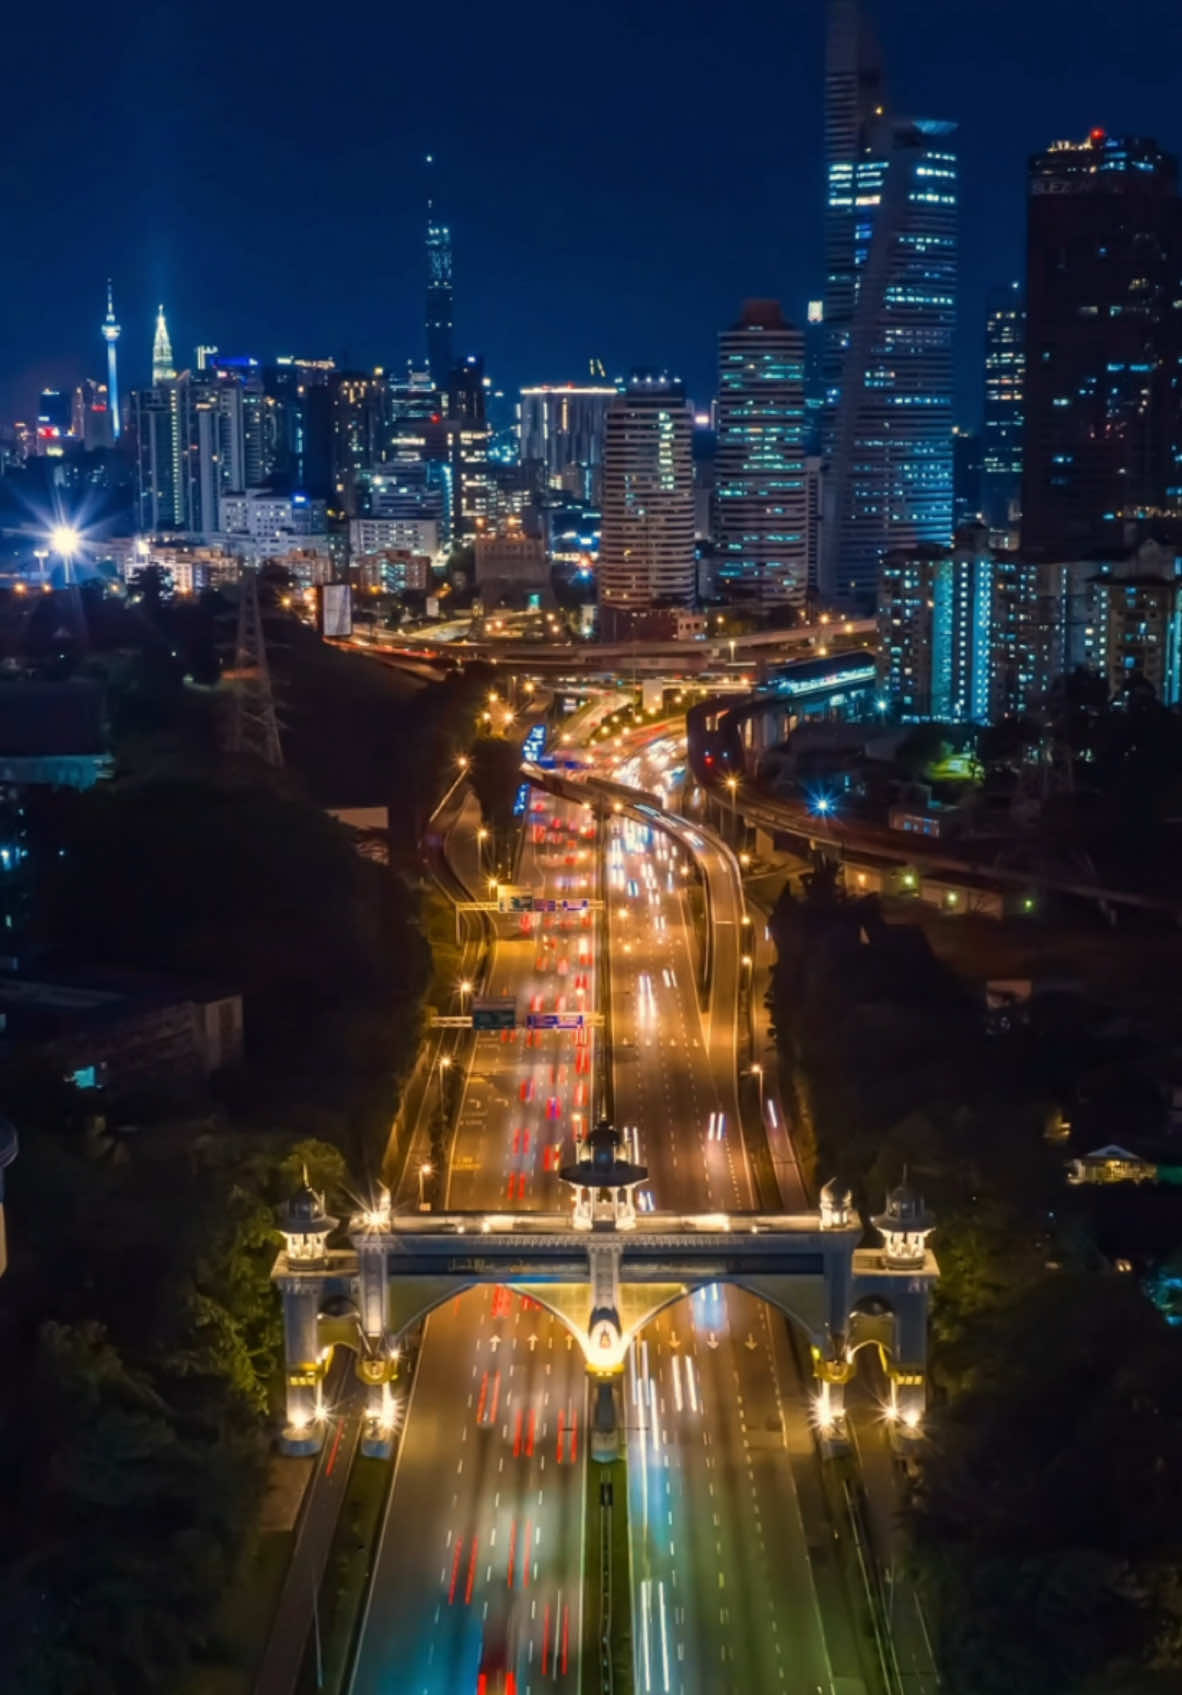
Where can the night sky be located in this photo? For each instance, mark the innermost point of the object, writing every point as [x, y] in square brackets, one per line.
[618, 175]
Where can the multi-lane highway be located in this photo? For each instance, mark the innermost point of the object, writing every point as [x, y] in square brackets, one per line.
[478, 1577]
[724, 1595]
[478, 1573]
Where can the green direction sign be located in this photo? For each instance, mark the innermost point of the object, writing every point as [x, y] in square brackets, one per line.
[494, 1015]
[510, 899]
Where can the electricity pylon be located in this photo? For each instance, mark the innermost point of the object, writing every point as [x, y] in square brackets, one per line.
[254, 726]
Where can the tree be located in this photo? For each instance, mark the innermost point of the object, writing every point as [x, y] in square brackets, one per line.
[1046, 1517]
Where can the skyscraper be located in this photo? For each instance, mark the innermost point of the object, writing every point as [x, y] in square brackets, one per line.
[562, 431]
[966, 477]
[1005, 364]
[646, 549]
[1103, 337]
[759, 473]
[162, 366]
[154, 428]
[889, 314]
[111, 333]
[439, 297]
[855, 97]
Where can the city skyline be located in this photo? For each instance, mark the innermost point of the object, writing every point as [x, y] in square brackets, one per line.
[593, 233]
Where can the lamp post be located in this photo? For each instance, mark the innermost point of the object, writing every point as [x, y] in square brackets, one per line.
[481, 838]
[757, 1073]
[424, 1172]
[64, 540]
[732, 784]
[465, 990]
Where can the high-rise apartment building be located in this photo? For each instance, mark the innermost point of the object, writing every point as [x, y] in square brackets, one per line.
[760, 506]
[54, 413]
[889, 314]
[969, 634]
[1103, 402]
[955, 631]
[1001, 458]
[1137, 619]
[90, 416]
[152, 421]
[561, 433]
[358, 400]
[646, 549]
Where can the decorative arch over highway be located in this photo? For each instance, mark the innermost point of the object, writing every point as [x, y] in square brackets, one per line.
[604, 1272]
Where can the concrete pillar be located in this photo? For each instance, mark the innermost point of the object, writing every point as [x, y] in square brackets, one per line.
[908, 1373]
[605, 1419]
[373, 1290]
[377, 1432]
[303, 1431]
[839, 1278]
[832, 1370]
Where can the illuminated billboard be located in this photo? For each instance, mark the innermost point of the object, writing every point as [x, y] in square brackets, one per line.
[336, 610]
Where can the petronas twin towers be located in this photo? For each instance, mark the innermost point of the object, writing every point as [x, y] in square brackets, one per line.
[163, 368]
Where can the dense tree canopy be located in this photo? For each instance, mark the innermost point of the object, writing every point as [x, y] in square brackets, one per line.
[1048, 1518]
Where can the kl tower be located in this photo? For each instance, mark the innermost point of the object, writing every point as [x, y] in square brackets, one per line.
[111, 336]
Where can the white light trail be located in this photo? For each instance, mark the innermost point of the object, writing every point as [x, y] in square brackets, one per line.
[645, 1610]
[664, 1633]
[691, 1380]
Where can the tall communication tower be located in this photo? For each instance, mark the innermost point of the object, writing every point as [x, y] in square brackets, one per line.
[254, 726]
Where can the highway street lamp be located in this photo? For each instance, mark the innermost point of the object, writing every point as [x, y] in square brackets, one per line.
[64, 541]
[465, 991]
[444, 1067]
[757, 1073]
[732, 784]
[424, 1173]
[481, 838]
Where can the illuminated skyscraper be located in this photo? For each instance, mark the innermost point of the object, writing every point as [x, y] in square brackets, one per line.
[854, 97]
[111, 333]
[1005, 363]
[889, 314]
[154, 425]
[162, 366]
[759, 473]
[439, 297]
[646, 549]
[1102, 437]
[562, 434]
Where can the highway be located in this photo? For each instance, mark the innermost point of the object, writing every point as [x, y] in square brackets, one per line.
[724, 1598]
[479, 1567]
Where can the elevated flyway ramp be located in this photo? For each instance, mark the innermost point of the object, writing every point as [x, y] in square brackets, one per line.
[590, 790]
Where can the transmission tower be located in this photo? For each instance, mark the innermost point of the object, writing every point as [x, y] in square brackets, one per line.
[254, 727]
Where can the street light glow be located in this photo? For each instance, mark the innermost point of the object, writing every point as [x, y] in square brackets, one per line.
[64, 539]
